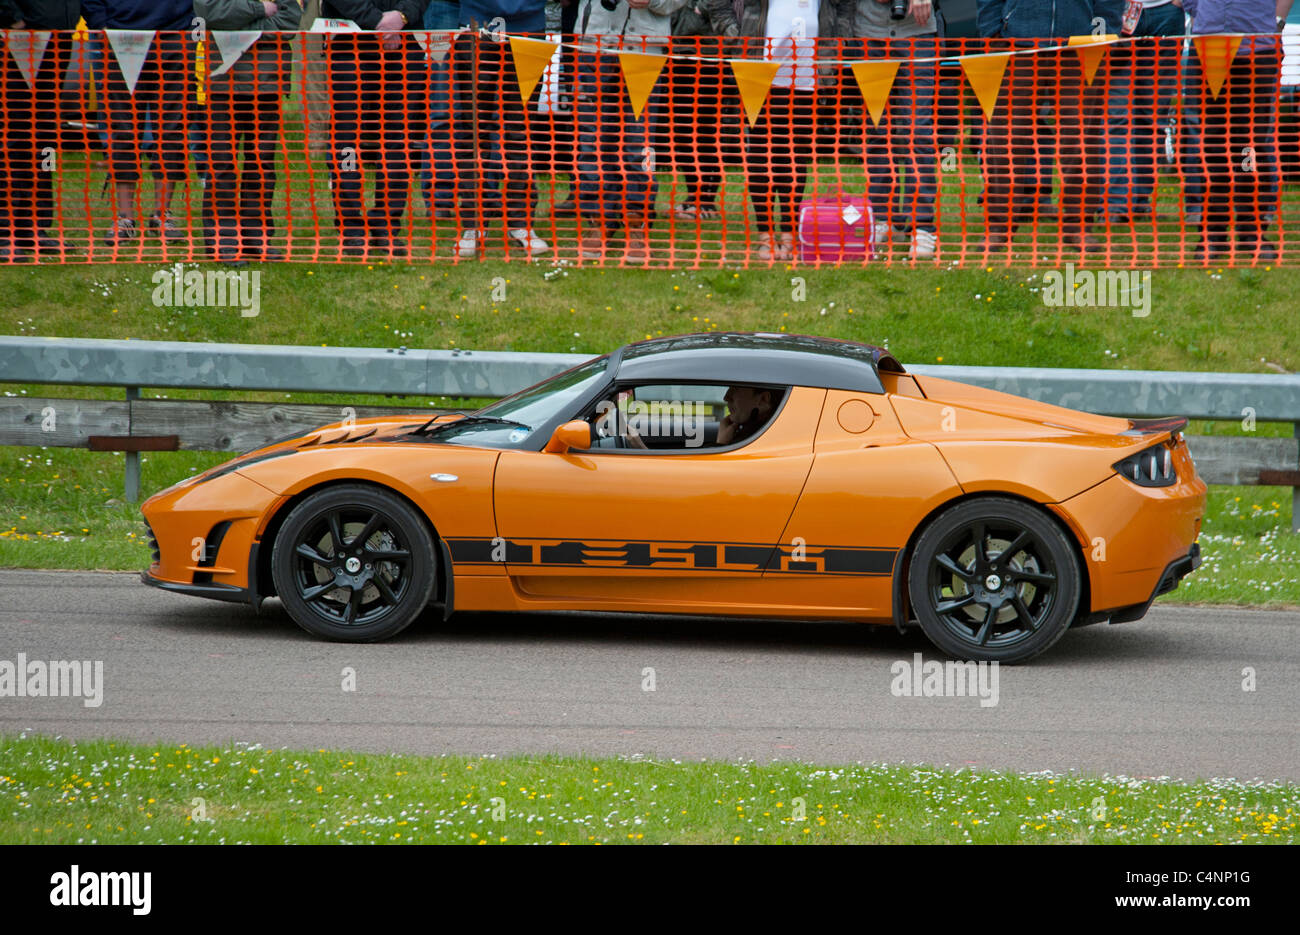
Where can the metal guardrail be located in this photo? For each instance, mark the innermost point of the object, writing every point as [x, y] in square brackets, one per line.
[418, 372]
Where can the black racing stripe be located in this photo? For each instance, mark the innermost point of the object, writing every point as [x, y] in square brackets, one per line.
[675, 556]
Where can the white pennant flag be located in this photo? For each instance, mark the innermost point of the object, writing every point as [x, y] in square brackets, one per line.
[232, 44]
[28, 50]
[131, 46]
[436, 43]
[325, 24]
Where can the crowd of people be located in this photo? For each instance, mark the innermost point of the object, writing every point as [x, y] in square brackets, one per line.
[456, 129]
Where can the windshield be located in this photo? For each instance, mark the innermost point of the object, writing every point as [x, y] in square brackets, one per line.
[511, 422]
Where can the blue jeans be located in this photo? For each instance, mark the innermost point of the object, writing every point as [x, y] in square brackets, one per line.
[615, 162]
[1229, 152]
[905, 138]
[438, 178]
[1143, 78]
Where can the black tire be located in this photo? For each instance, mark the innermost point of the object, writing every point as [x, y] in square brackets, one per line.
[354, 563]
[1007, 600]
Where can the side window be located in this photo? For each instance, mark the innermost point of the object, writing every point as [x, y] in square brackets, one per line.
[682, 417]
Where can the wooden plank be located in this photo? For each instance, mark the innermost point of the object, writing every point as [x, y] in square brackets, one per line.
[133, 443]
[60, 423]
[239, 426]
[1280, 478]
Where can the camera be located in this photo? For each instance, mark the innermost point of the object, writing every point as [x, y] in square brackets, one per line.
[897, 9]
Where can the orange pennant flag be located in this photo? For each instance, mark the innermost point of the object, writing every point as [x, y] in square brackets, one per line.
[753, 79]
[875, 81]
[984, 72]
[1091, 49]
[1216, 54]
[640, 71]
[531, 58]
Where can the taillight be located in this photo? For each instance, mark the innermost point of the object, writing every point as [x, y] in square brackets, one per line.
[1151, 468]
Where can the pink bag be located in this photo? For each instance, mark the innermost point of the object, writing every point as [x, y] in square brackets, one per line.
[834, 228]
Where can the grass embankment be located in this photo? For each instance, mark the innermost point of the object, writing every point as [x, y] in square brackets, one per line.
[56, 791]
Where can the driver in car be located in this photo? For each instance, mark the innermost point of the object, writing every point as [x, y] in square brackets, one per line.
[748, 409]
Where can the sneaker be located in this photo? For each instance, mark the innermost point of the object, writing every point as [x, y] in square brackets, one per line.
[592, 247]
[527, 238]
[637, 250]
[924, 245]
[165, 228]
[388, 246]
[123, 231]
[471, 241]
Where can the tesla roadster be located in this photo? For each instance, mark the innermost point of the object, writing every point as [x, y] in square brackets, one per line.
[750, 475]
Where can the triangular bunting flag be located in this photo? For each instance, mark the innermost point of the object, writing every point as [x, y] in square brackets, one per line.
[232, 44]
[984, 72]
[640, 71]
[130, 47]
[1216, 54]
[753, 79]
[1091, 49]
[27, 50]
[875, 81]
[531, 58]
[436, 43]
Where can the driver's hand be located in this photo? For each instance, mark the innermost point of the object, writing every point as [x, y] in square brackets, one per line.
[726, 430]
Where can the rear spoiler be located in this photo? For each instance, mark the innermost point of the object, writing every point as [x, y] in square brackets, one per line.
[1170, 424]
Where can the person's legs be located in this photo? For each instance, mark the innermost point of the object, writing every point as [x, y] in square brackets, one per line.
[17, 164]
[440, 175]
[164, 87]
[261, 126]
[1010, 156]
[345, 80]
[797, 131]
[45, 92]
[604, 140]
[1076, 124]
[221, 194]
[760, 168]
[479, 94]
[913, 131]
[514, 143]
[403, 122]
[125, 127]
[1216, 165]
[1251, 91]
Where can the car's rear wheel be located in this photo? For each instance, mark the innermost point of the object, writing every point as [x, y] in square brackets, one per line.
[994, 579]
[354, 563]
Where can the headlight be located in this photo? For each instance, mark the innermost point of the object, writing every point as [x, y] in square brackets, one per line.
[1151, 468]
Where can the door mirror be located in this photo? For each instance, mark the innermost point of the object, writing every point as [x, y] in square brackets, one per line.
[575, 434]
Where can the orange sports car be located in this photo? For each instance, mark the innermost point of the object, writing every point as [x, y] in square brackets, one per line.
[741, 474]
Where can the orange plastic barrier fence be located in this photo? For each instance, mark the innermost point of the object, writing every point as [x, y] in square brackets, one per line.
[341, 146]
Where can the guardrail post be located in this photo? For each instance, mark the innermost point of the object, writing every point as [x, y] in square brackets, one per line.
[131, 482]
[1295, 494]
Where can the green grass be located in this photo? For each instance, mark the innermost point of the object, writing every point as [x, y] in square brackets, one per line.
[1230, 320]
[57, 791]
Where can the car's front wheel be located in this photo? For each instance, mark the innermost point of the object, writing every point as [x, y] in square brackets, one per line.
[354, 563]
[994, 579]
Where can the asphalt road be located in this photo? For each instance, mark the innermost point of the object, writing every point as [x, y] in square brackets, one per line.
[1160, 697]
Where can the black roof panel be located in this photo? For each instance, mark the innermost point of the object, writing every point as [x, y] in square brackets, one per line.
[756, 357]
